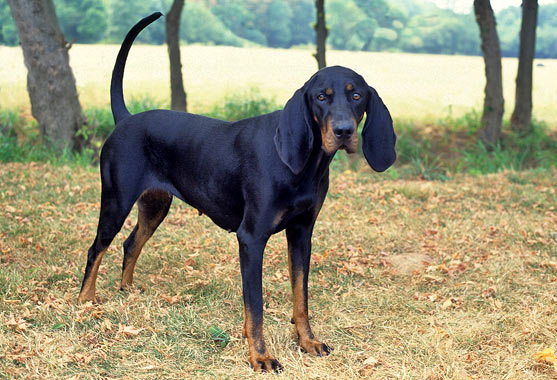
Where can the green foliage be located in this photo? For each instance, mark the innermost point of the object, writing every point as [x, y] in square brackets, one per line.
[83, 21]
[8, 30]
[301, 25]
[516, 151]
[124, 14]
[441, 32]
[430, 152]
[199, 25]
[344, 19]
[236, 16]
[219, 336]
[546, 43]
[278, 32]
[9, 120]
[236, 107]
[369, 25]
[451, 146]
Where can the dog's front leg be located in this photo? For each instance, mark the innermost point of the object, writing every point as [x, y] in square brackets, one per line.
[299, 253]
[251, 266]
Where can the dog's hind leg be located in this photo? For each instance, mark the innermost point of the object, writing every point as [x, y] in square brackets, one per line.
[115, 207]
[153, 206]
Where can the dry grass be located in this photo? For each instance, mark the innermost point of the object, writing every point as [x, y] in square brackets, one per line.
[410, 280]
[412, 85]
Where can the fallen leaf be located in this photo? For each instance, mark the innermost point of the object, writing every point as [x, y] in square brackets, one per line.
[128, 330]
[106, 325]
[371, 361]
[489, 292]
[172, 299]
[18, 324]
[547, 356]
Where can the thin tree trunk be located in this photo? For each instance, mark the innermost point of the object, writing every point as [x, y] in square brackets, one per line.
[522, 115]
[492, 116]
[178, 94]
[321, 33]
[50, 80]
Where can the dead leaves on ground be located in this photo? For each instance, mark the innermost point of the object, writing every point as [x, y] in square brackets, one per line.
[396, 257]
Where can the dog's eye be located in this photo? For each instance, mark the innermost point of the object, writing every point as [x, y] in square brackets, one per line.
[356, 96]
[321, 97]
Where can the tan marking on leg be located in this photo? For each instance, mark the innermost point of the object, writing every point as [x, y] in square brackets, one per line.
[141, 237]
[306, 339]
[244, 328]
[88, 290]
[300, 313]
[147, 222]
[259, 357]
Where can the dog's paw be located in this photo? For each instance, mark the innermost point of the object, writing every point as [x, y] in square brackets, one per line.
[315, 347]
[265, 363]
[85, 297]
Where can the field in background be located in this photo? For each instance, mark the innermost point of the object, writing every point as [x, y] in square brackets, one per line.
[410, 279]
[422, 87]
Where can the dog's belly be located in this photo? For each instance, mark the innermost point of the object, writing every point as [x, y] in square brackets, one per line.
[226, 215]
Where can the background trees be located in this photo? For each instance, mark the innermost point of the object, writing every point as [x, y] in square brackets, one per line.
[369, 25]
[82, 21]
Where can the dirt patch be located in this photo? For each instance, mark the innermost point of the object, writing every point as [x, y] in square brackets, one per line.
[409, 263]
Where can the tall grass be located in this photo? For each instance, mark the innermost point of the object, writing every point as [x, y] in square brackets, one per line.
[431, 151]
[450, 146]
[242, 106]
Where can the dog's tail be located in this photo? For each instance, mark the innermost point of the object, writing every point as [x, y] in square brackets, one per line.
[117, 103]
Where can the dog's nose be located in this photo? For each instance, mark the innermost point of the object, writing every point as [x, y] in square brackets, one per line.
[343, 131]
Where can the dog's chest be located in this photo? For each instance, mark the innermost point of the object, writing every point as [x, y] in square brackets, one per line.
[298, 203]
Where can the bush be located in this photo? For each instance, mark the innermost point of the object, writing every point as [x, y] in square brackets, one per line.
[517, 151]
[431, 151]
[236, 107]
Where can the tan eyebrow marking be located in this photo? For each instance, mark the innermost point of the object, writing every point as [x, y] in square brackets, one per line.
[329, 91]
[349, 87]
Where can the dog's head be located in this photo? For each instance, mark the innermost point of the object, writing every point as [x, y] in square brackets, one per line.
[329, 108]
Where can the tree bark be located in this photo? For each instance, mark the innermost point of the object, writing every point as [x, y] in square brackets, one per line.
[177, 92]
[321, 33]
[522, 115]
[50, 80]
[492, 116]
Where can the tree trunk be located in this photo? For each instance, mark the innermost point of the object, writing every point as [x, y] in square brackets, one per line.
[522, 114]
[177, 92]
[492, 116]
[50, 80]
[321, 33]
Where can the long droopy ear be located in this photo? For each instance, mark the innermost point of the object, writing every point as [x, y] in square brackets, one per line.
[294, 136]
[378, 135]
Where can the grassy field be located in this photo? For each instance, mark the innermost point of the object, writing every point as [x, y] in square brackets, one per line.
[413, 86]
[410, 280]
[454, 278]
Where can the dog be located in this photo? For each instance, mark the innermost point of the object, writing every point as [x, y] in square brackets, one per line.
[255, 177]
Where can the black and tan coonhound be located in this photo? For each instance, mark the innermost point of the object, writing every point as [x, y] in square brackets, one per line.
[255, 177]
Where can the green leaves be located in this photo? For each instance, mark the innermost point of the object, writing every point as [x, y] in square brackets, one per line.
[219, 336]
